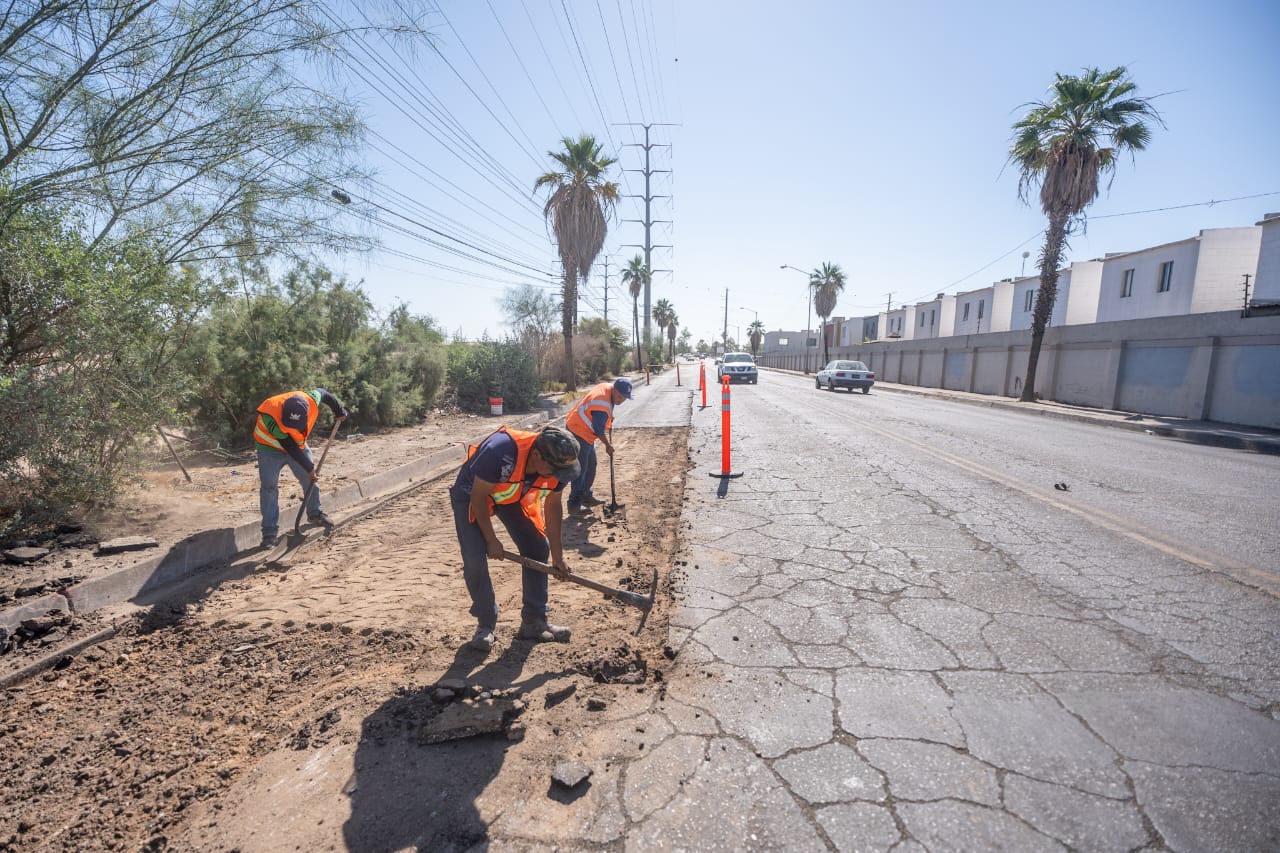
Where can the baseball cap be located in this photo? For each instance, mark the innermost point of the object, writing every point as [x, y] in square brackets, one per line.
[623, 386]
[560, 448]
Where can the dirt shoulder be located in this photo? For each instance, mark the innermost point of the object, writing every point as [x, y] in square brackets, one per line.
[317, 707]
[222, 492]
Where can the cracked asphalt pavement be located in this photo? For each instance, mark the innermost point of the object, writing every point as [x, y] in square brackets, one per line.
[895, 634]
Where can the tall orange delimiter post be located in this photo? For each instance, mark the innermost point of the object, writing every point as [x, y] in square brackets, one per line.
[724, 430]
[702, 383]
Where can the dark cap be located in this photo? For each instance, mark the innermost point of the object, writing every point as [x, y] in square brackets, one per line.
[623, 386]
[560, 448]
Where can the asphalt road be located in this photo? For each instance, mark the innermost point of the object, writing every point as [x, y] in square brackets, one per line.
[895, 633]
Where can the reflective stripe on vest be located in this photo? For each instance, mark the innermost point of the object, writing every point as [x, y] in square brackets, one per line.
[273, 407]
[598, 399]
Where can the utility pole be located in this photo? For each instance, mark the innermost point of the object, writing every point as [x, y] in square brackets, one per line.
[1245, 312]
[648, 220]
[726, 319]
[889, 307]
[606, 291]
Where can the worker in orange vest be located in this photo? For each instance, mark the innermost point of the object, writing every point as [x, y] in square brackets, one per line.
[517, 476]
[589, 420]
[280, 433]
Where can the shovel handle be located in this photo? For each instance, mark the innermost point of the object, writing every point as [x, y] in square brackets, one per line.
[625, 596]
[297, 522]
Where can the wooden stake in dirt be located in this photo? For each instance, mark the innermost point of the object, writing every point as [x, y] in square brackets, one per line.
[174, 454]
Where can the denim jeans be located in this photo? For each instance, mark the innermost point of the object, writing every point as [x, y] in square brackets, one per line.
[270, 463]
[581, 487]
[475, 560]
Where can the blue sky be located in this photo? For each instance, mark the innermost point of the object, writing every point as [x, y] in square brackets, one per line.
[871, 135]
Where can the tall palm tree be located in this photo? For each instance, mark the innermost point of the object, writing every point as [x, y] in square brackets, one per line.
[663, 313]
[827, 281]
[1064, 145]
[635, 276]
[755, 334]
[578, 208]
[673, 329]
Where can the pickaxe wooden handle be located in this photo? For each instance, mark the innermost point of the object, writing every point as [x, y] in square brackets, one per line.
[644, 603]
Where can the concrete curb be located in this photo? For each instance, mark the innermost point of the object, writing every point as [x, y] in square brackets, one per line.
[185, 559]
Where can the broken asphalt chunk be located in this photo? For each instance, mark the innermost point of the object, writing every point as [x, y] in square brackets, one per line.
[570, 774]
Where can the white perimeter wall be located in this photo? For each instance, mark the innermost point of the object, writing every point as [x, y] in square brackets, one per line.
[1216, 366]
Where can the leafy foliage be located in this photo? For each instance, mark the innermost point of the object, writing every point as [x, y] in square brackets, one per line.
[87, 355]
[532, 313]
[182, 122]
[578, 208]
[636, 277]
[311, 331]
[1065, 145]
[826, 282]
[479, 371]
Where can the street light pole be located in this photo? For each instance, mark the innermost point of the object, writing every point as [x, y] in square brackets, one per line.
[808, 320]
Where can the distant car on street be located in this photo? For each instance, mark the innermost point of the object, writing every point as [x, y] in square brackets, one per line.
[845, 374]
[739, 367]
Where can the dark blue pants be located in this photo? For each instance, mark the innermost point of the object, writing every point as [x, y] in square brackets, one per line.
[581, 487]
[475, 560]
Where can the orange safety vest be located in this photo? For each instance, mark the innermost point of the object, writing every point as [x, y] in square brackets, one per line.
[514, 490]
[274, 407]
[598, 399]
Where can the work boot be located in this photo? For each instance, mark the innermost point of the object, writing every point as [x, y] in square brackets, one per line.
[482, 639]
[591, 500]
[269, 542]
[542, 631]
[323, 520]
[579, 511]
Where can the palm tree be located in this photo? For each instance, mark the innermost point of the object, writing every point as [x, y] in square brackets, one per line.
[826, 282]
[663, 314]
[673, 329]
[1064, 145]
[578, 208]
[755, 334]
[635, 276]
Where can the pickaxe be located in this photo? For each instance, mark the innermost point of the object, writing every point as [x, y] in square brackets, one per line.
[643, 602]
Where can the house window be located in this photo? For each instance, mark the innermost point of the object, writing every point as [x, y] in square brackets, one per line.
[922, 319]
[966, 311]
[782, 342]
[1029, 301]
[1126, 285]
[1166, 277]
[981, 303]
[932, 314]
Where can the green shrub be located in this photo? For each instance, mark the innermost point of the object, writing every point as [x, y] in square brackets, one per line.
[480, 371]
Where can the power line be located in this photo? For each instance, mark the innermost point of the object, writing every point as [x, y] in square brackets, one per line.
[516, 54]
[1209, 203]
[531, 149]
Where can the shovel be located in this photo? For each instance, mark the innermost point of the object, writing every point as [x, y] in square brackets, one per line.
[642, 602]
[613, 506]
[296, 537]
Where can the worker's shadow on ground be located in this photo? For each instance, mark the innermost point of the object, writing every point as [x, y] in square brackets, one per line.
[172, 588]
[410, 795]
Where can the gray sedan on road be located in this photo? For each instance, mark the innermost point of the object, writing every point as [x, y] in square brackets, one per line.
[845, 374]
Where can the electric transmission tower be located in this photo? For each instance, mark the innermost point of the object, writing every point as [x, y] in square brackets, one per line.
[648, 222]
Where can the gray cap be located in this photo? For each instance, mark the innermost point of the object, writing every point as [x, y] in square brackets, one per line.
[560, 448]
